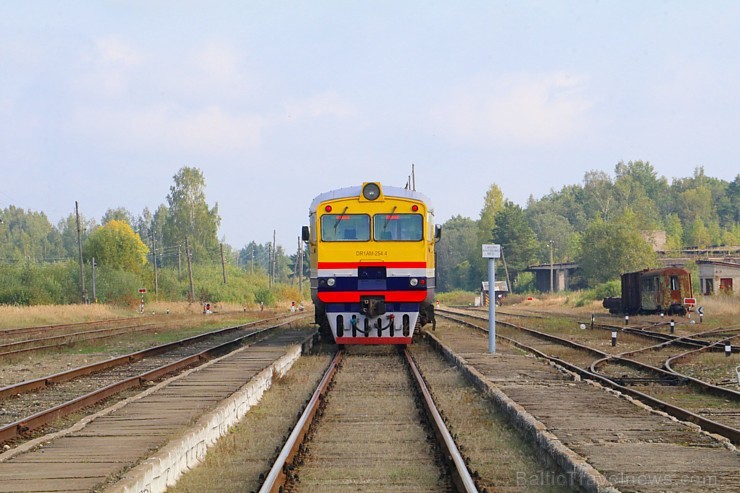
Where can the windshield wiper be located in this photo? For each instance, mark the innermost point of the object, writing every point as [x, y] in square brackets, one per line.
[339, 217]
[388, 217]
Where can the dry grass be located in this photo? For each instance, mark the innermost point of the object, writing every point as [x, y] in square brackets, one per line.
[31, 316]
[724, 305]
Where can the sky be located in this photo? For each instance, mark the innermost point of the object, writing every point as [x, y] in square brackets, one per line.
[103, 102]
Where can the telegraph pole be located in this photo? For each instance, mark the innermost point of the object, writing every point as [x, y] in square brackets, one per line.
[191, 294]
[95, 293]
[223, 263]
[79, 245]
[300, 266]
[154, 256]
[551, 273]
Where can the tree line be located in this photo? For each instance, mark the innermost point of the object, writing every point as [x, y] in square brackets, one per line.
[603, 224]
[606, 225]
[39, 262]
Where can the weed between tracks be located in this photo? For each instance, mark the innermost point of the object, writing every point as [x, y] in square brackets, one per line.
[235, 463]
[504, 461]
[715, 368]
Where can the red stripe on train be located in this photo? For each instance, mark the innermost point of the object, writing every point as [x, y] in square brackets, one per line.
[373, 340]
[352, 265]
[390, 296]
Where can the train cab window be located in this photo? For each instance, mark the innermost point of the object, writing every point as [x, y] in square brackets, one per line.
[674, 283]
[345, 227]
[398, 227]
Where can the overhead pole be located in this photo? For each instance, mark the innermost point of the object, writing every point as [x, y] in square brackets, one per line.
[223, 262]
[274, 256]
[95, 293]
[300, 266]
[154, 258]
[552, 284]
[79, 246]
[191, 293]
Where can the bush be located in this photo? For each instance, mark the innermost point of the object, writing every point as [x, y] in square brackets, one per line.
[118, 287]
[457, 297]
[598, 293]
[264, 295]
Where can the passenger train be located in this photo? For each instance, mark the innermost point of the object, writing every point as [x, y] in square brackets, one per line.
[372, 263]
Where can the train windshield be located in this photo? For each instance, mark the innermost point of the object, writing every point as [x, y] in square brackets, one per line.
[398, 227]
[345, 227]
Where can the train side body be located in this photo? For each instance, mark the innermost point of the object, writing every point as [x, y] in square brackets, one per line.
[653, 290]
[372, 263]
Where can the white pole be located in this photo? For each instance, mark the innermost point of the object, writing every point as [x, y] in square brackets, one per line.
[491, 305]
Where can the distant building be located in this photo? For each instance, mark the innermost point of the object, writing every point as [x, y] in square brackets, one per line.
[562, 276]
[718, 277]
[501, 291]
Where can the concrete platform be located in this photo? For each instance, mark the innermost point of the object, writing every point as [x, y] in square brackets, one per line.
[627, 446]
[174, 422]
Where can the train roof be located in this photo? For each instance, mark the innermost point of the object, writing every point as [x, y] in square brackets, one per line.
[660, 270]
[356, 191]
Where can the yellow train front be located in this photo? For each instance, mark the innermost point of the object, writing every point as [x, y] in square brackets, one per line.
[372, 263]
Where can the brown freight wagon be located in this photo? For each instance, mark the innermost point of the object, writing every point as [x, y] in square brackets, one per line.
[666, 290]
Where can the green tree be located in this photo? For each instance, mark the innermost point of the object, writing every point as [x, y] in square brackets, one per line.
[696, 234]
[550, 227]
[517, 240]
[611, 248]
[190, 217]
[28, 236]
[457, 247]
[598, 195]
[647, 194]
[115, 245]
[119, 214]
[674, 233]
[68, 231]
[492, 204]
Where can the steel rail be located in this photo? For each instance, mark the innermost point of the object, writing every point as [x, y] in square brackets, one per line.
[460, 474]
[533, 332]
[17, 428]
[277, 476]
[279, 472]
[73, 338]
[733, 434]
[40, 328]
[65, 376]
[688, 354]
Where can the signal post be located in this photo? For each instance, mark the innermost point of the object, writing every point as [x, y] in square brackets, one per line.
[491, 252]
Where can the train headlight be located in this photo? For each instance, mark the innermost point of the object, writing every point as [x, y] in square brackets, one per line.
[371, 191]
[413, 281]
[331, 282]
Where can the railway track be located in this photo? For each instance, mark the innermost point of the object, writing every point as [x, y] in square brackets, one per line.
[23, 346]
[32, 404]
[19, 342]
[716, 410]
[370, 425]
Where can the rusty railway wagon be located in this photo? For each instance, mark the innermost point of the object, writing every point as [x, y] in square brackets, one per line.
[666, 290]
[372, 263]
